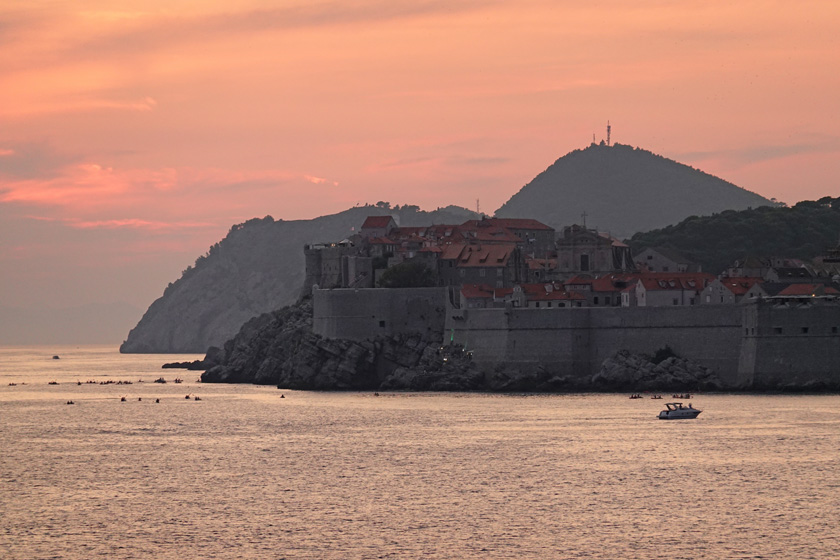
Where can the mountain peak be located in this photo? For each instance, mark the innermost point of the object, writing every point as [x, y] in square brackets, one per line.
[625, 190]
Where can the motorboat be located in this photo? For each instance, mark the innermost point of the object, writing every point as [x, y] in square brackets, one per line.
[676, 411]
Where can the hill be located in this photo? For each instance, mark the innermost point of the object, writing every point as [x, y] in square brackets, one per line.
[624, 190]
[258, 267]
[804, 231]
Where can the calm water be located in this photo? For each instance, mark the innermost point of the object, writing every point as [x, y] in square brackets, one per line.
[243, 473]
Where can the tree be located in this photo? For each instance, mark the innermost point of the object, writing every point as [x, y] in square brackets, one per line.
[409, 274]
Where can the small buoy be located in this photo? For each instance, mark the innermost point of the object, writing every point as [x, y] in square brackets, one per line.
[282, 396]
[139, 398]
[122, 399]
[187, 397]
[70, 402]
[157, 400]
[197, 398]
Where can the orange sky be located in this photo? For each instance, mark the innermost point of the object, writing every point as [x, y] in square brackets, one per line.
[134, 134]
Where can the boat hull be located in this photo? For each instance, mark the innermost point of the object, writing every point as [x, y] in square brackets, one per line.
[679, 414]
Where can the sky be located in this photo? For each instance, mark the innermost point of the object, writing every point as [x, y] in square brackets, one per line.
[134, 134]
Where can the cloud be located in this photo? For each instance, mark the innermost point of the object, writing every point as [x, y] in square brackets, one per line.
[320, 180]
[33, 160]
[114, 33]
[761, 153]
[89, 196]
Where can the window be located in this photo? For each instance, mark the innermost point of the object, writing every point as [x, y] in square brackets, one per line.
[607, 300]
[501, 271]
[382, 324]
[676, 301]
[804, 330]
[746, 331]
[462, 271]
[664, 269]
[584, 263]
[833, 330]
[777, 330]
[549, 304]
[537, 305]
[708, 299]
[595, 300]
[482, 273]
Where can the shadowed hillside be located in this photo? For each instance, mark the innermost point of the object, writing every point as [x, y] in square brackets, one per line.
[804, 231]
[623, 190]
[258, 267]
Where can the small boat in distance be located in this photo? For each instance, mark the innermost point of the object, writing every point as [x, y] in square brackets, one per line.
[676, 411]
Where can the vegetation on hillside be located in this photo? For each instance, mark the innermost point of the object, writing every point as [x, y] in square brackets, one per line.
[803, 231]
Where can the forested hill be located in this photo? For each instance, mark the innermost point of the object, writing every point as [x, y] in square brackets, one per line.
[258, 267]
[624, 190]
[804, 231]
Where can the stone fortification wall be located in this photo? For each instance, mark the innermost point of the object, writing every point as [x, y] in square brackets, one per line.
[360, 314]
[791, 346]
[762, 345]
[575, 342]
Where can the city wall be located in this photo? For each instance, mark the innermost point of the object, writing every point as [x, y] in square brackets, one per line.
[359, 314]
[759, 345]
[576, 341]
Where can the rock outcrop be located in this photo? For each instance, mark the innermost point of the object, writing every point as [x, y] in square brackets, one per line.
[635, 372]
[279, 348]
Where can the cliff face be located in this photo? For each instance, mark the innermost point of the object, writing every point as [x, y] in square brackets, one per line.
[624, 190]
[257, 268]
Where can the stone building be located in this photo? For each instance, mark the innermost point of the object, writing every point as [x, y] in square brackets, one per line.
[586, 251]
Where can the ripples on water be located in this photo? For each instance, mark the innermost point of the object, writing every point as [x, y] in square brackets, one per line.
[245, 474]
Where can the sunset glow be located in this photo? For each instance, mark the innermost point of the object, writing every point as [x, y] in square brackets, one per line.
[169, 122]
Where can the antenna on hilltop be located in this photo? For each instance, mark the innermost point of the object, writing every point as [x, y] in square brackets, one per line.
[608, 132]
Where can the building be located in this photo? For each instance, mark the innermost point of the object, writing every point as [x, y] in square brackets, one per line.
[586, 251]
[662, 259]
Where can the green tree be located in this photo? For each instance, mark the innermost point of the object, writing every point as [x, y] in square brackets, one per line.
[407, 275]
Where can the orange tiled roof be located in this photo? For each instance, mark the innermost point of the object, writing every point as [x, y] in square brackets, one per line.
[802, 290]
[689, 281]
[518, 223]
[474, 291]
[372, 222]
[740, 285]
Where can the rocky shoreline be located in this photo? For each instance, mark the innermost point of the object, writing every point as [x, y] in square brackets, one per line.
[280, 348]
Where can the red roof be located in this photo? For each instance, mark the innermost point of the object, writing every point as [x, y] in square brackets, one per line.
[541, 264]
[804, 290]
[479, 255]
[689, 281]
[476, 291]
[740, 285]
[548, 292]
[373, 222]
[518, 223]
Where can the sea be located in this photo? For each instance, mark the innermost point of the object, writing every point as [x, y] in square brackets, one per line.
[258, 472]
